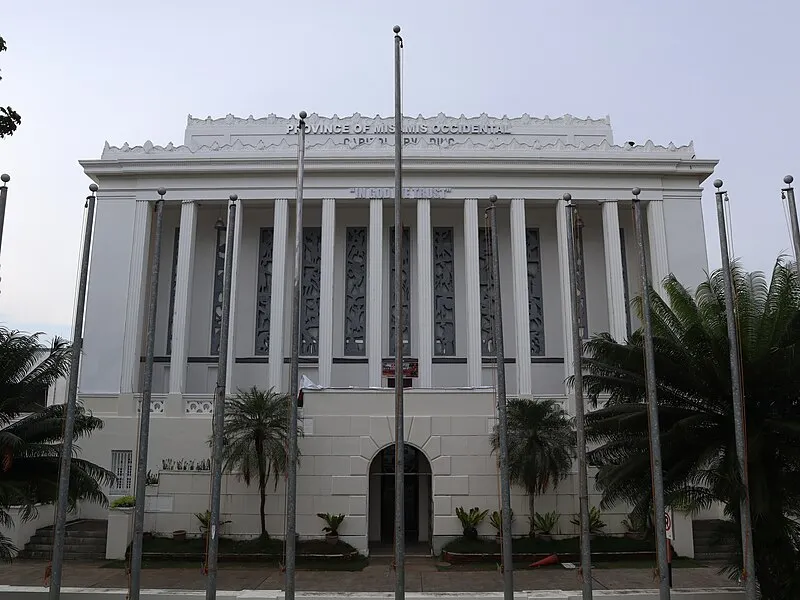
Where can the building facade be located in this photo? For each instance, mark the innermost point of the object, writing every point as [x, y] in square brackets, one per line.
[451, 167]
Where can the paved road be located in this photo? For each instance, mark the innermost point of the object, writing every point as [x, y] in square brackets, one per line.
[421, 576]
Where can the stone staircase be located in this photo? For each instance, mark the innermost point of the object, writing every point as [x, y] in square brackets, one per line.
[86, 540]
[711, 545]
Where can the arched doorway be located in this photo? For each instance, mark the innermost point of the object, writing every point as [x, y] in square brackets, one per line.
[418, 501]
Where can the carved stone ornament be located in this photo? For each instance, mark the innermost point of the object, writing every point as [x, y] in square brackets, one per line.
[172, 283]
[310, 290]
[355, 298]
[405, 278]
[535, 303]
[264, 291]
[444, 292]
[219, 275]
[486, 291]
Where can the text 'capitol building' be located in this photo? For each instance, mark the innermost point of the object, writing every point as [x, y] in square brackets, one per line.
[451, 166]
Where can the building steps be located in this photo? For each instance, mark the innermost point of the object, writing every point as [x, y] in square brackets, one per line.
[714, 542]
[85, 540]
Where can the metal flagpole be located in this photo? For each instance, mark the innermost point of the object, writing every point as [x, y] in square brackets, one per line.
[749, 565]
[218, 423]
[62, 506]
[656, 469]
[788, 192]
[505, 486]
[577, 361]
[5, 178]
[399, 333]
[294, 376]
[144, 410]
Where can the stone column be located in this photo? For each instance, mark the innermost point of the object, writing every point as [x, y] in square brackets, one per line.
[615, 281]
[473, 290]
[424, 293]
[375, 294]
[137, 291]
[276, 319]
[657, 239]
[230, 383]
[183, 293]
[563, 270]
[519, 268]
[325, 356]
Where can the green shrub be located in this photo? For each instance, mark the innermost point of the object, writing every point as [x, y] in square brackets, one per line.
[124, 502]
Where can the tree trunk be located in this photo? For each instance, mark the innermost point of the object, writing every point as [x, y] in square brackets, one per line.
[532, 508]
[262, 483]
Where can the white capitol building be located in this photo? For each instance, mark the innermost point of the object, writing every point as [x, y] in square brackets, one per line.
[451, 166]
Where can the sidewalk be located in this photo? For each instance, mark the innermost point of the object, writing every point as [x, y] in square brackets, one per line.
[421, 576]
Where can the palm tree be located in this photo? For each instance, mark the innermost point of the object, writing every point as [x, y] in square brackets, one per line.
[696, 416]
[541, 444]
[256, 438]
[31, 433]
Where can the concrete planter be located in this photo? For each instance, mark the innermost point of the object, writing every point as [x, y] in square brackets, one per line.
[120, 532]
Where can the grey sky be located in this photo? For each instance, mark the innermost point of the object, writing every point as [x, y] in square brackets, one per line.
[721, 73]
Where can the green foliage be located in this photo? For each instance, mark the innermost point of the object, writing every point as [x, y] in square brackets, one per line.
[541, 445]
[545, 523]
[31, 434]
[596, 523]
[256, 438]
[496, 520]
[470, 520]
[695, 411]
[205, 521]
[124, 502]
[332, 522]
[9, 118]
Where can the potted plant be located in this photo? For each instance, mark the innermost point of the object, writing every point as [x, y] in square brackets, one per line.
[596, 523]
[470, 521]
[124, 502]
[205, 521]
[545, 524]
[331, 529]
[497, 522]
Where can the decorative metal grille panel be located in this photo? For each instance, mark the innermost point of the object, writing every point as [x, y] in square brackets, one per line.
[172, 283]
[355, 293]
[122, 468]
[219, 272]
[444, 291]
[535, 304]
[264, 291]
[405, 275]
[625, 282]
[310, 284]
[583, 325]
[487, 291]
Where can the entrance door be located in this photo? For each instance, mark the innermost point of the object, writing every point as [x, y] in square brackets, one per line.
[411, 495]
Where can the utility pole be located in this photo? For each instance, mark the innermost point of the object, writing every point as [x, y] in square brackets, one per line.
[656, 469]
[218, 418]
[5, 178]
[749, 564]
[788, 194]
[62, 505]
[144, 410]
[577, 361]
[399, 448]
[294, 371]
[502, 425]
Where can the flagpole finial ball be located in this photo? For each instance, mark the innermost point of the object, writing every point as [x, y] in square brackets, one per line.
[718, 183]
[93, 187]
[396, 28]
[493, 198]
[161, 191]
[787, 180]
[567, 197]
[233, 197]
[303, 114]
[636, 191]
[5, 178]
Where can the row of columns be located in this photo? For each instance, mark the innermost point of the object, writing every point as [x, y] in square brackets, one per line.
[615, 288]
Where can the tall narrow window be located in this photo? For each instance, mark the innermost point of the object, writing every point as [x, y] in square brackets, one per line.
[625, 282]
[487, 295]
[355, 297]
[122, 468]
[405, 291]
[535, 304]
[582, 309]
[444, 292]
[310, 284]
[172, 282]
[219, 273]
[264, 291]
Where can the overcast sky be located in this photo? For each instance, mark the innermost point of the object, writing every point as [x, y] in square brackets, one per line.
[722, 73]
